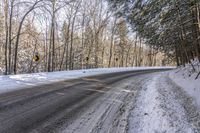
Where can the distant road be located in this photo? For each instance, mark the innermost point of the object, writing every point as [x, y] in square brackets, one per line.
[52, 107]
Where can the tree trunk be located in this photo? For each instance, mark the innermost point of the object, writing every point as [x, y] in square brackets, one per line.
[65, 46]
[18, 35]
[6, 33]
[72, 39]
[111, 43]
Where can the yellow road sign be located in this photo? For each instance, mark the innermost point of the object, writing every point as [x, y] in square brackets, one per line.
[36, 58]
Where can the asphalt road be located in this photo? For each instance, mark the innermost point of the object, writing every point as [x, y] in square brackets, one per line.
[56, 104]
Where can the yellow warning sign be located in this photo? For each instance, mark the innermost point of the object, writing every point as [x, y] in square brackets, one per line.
[36, 58]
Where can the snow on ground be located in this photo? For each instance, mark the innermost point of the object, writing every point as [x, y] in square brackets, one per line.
[149, 103]
[109, 113]
[184, 77]
[13, 82]
[160, 108]
[188, 82]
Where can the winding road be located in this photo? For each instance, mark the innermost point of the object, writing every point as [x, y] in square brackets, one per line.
[56, 107]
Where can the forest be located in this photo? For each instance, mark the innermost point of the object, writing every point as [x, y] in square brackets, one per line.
[59, 35]
[172, 26]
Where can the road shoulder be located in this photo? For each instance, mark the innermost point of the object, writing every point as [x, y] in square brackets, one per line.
[161, 107]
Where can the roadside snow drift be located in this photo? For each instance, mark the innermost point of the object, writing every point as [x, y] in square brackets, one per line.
[160, 108]
[185, 78]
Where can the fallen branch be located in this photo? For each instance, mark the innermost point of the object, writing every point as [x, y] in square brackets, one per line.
[197, 76]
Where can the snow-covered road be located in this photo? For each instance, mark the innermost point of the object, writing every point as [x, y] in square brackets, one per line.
[162, 107]
[149, 103]
[127, 102]
[110, 113]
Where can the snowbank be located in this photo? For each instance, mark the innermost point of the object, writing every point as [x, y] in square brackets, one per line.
[13, 82]
[185, 77]
[158, 109]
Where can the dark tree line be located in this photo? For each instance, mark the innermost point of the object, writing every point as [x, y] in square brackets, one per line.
[172, 26]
